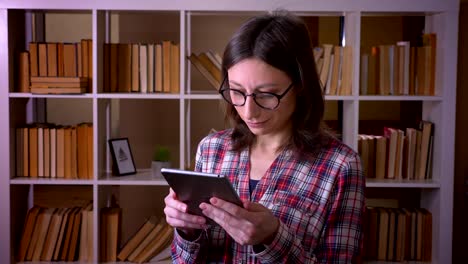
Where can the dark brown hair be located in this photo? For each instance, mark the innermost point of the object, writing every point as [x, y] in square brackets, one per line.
[281, 40]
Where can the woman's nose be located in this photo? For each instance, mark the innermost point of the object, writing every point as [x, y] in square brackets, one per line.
[251, 108]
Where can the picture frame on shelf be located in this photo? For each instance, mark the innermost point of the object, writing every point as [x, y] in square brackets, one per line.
[122, 158]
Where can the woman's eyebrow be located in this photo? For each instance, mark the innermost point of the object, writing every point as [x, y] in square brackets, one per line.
[264, 85]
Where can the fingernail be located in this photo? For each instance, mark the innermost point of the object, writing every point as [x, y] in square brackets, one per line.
[203, 206]
[213, 200]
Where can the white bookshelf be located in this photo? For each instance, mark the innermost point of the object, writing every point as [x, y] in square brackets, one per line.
[441, 18]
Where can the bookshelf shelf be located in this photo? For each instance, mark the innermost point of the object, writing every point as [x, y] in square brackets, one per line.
[137, 96]
[400, 98]
[339, 98]
[57, 96]
[48, 181]
[143, 177]
[179, 120]
[387, 183]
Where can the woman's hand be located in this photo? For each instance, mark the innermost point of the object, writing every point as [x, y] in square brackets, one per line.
[252, 225]
[177, 216]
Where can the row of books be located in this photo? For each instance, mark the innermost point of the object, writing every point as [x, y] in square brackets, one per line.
[152, 242]
[142, 68]
[57, 234]
[51, 59]
[398, 154]
[208, 63]
[335, 68]
[397, 234]
[47, 150]
[399, 69]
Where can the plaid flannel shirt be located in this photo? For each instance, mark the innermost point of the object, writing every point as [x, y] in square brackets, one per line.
[319, 200]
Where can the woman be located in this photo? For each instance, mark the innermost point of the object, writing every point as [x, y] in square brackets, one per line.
[302, 189]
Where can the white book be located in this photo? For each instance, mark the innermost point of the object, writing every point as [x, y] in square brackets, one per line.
[150, 68]
[218, 58]
[340, 72]
[210, 54]
[330, 70]
[53, 152]
[327, 50]
[406, 64]
[143, 69]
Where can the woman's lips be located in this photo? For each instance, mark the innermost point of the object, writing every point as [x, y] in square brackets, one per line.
[255, 124]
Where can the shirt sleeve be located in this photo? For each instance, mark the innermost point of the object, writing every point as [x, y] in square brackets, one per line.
[341, 241]
[184, 251]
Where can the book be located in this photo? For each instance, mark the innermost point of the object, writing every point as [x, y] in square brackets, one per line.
[137, 238]
[148, 239]
[28, 230]
[43, 231]
[23, 72]
[199, 66]
[156, 245]
[52, 235]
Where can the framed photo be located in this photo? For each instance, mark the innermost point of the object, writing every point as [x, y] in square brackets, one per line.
[122, 158]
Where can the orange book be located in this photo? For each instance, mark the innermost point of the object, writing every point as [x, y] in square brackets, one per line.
[52, 235]
[74, 239]
[42, 58]
[44, 230]
[23, 76]
[67, 142]
[137, 238]
[135, 67]
[73, 154]
[60, 154]
[33, 148]
[82, 148]
[28, 229]
[124, 68]
[210, 66]
[89, 147]
[156, 245]
[60, 60]
[60, 238]
[35, 236]
[25, 133]
[52, 69]
[70, 60]
[175, 68]
[46, 135]
[79, 59]
[84, 58]
[166, 60]
[68, 234]
[114, 68]
[199, 66]
[33, 59]
[158, 68]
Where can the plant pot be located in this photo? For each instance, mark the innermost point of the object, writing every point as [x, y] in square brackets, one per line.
[156, 167]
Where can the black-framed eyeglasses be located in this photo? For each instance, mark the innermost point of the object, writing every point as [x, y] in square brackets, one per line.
[265, 100]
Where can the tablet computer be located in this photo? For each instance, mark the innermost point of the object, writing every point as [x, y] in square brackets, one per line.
[193, 188]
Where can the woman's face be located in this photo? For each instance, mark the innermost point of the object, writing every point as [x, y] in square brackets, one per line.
[253, 76]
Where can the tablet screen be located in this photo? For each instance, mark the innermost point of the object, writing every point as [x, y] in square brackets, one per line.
[193, 188]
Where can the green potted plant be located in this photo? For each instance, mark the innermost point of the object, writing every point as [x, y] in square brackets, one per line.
[161, 159]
